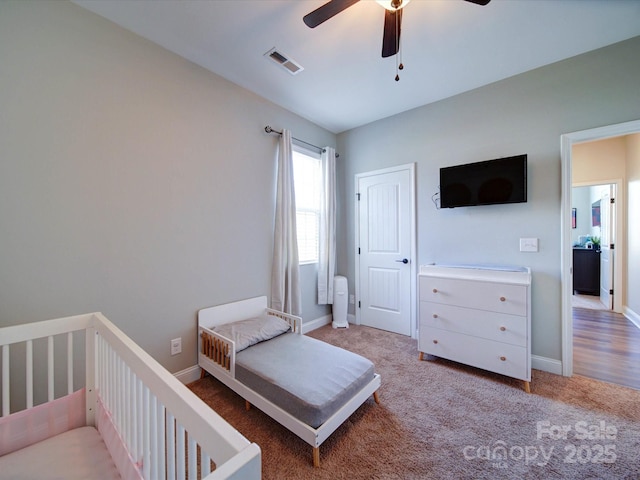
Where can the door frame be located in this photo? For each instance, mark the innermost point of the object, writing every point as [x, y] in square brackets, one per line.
[413, 265]
[566, 146]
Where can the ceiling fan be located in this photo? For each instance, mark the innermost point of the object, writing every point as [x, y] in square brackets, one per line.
[392, 20]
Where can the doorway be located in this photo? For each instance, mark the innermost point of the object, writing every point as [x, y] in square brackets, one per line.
[594, 217]
[385, 249]
[568, 142]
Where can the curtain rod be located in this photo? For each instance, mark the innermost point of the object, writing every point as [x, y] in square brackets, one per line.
[268, 129]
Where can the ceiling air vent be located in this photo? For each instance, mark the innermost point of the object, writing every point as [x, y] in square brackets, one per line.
[285, 62]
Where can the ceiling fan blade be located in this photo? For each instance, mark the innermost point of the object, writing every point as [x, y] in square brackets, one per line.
[326, 11]
[391, 36]
[479, 2]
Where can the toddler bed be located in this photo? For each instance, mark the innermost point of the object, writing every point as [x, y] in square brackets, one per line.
[117, 414]
[308, 386]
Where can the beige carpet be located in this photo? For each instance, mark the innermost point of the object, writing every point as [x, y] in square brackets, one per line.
[438, 420]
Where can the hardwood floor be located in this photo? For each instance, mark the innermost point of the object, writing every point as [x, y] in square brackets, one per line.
[606, 346]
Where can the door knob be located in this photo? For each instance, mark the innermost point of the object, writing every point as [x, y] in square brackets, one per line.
[404, 260]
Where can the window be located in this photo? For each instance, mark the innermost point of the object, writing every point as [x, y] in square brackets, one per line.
[307, 184]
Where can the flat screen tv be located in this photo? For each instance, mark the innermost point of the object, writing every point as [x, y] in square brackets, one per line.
[503, 180]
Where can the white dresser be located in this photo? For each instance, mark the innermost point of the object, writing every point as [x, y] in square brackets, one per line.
[477, 315]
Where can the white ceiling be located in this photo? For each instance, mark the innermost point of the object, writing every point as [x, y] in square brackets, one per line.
[448, 46]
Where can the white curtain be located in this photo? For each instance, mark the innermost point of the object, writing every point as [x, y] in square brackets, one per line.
[327, 254]
[285, 281]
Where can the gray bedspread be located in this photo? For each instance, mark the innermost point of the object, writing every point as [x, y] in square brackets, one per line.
[307, 378]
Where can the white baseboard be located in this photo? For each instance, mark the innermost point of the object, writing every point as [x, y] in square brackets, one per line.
[188, 375]
[632, 316]
[317, 323]
[546, 364]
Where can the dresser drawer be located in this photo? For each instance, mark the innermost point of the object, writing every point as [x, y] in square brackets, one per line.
[498, 357]
[493, 297]
[500, 327]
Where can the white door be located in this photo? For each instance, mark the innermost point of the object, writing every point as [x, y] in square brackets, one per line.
[385, 231]
[607, 223]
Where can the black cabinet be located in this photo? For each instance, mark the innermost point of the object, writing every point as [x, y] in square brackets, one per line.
[586, 271]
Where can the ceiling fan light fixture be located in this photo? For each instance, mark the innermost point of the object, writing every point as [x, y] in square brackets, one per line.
[393, 5]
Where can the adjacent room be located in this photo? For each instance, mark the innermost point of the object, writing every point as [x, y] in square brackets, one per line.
[421, 189]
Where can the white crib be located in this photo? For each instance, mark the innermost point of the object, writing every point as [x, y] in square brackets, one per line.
[152, 425]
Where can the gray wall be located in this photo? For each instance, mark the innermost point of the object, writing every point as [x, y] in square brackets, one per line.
[523, 114]
[132, 182]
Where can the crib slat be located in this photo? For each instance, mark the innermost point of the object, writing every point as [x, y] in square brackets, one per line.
[171, 447]
[153, 446]
[29, 372]
[50, 369]
[131, 441]
[126, 414]
[193, 458]
[139, 449]
[112, 390]
[205, 464]
[181, 464]
[120, 385]
[92, 341]
[160, 447]
[146, 439]
[5, 381]
[69, 363]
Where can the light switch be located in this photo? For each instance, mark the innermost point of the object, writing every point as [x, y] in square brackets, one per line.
[528, 244]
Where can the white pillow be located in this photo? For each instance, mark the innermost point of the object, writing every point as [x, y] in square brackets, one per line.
[253, 330]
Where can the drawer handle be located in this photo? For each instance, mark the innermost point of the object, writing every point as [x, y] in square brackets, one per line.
[435, 341]
[435, 315]
[503, 299]
[435, 290]
[503, 358]
[502, 329]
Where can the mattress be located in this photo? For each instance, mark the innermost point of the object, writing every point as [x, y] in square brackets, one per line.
[76, 454]
[307, 378]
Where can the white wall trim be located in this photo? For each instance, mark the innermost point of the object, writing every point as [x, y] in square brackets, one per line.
[545, 364]
[632, 316]
[317, 323]
[188, 375]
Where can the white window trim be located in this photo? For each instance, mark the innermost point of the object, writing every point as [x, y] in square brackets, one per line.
[316, 155]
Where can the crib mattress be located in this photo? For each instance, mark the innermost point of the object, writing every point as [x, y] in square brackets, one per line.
[76, 454]
[307, 378]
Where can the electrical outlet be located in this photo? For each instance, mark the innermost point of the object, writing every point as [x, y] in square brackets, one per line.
[176, 346]
[352, 299]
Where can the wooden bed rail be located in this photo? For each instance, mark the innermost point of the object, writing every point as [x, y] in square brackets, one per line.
[221, 350]
[217, 348]
[293, 320]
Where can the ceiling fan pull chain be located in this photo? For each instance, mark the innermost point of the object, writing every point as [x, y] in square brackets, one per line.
[398, 66]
